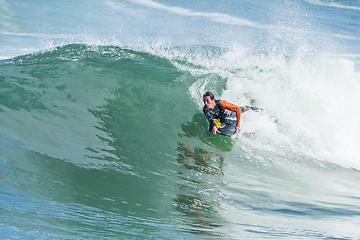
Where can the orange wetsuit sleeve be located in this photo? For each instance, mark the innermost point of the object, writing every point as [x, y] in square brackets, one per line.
[229, 106]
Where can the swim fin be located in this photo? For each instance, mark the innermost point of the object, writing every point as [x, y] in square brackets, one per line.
[255, 109]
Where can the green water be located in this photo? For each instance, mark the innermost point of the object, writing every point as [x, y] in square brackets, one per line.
[102, 134]
[109, 142]
[100, 141]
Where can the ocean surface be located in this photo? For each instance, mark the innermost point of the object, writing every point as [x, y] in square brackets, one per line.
[102, 134]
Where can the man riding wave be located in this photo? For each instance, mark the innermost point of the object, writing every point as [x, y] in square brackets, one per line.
[224, 118]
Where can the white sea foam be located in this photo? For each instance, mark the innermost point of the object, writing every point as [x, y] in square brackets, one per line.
[313, 99]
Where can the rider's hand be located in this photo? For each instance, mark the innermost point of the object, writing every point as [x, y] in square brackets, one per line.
[214, 130]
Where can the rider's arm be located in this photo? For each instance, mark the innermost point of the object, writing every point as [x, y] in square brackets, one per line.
[229, 106]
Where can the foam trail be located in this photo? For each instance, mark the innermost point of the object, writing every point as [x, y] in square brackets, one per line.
[333, 4]
[216, 17]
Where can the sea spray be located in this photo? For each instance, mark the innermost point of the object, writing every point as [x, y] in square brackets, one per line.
[311, 99]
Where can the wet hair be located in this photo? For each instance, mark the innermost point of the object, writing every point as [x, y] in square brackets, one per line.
[209, 94]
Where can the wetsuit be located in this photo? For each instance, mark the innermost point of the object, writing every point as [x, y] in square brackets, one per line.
[230, 120]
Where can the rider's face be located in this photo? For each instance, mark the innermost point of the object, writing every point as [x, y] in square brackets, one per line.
[209, 104]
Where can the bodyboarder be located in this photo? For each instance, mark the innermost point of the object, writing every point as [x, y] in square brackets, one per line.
[224, 118]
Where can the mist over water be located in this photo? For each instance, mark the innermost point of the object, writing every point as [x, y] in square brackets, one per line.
[102, 133]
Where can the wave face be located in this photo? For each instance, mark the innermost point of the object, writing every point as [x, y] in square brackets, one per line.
[102, 133]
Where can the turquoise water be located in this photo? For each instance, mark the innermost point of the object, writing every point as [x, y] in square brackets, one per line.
[102, 134]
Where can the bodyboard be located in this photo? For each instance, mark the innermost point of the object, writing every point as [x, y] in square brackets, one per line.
[221, 141]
